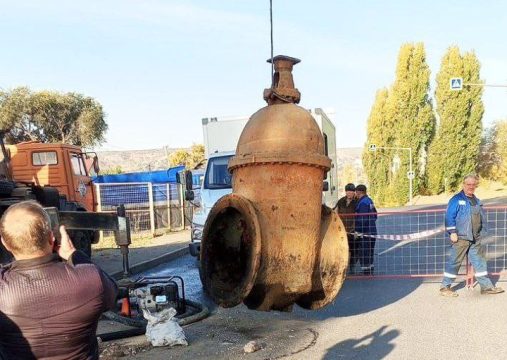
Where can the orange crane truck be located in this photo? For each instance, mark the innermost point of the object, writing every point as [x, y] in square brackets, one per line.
[55, 175]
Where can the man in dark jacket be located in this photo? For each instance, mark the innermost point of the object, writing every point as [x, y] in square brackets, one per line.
[346, 208]
[366, 227]
[50, 303]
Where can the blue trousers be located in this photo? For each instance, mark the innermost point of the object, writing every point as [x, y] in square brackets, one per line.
[366, 251]
[475, 252]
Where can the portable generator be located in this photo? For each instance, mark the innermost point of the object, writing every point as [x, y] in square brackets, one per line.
[153, 294]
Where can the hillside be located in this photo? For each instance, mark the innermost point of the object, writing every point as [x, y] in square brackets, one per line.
[350, 166]
[134, 160]
[156, 159]
[351, 156]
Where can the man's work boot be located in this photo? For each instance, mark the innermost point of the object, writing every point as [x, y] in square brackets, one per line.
[448, 292]
[493, 290]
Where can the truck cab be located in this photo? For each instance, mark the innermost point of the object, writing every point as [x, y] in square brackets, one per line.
[61, 166]
[56, 176]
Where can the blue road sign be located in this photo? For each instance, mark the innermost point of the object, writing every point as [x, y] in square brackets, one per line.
[456, 84]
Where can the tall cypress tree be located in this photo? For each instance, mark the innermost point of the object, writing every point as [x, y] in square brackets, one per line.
[455, 150]
[414, 120]
[379, 132]
[401, 118]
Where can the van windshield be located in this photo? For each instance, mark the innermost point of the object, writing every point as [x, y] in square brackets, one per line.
[217, 175]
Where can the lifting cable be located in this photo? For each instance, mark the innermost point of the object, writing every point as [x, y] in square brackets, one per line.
[271, 25]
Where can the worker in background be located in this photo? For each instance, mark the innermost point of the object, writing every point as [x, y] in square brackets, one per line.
[51, 296]
[366, 229]
[465, 222]
[346, 208]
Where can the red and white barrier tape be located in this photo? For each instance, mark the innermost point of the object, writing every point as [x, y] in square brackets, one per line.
[405, 237]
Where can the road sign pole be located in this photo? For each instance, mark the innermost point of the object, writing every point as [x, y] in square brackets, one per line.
[411, 179]
[457, 83]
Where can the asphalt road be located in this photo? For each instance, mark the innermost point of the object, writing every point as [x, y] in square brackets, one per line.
[370, 319]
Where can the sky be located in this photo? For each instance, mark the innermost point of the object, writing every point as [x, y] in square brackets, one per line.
[159, 66]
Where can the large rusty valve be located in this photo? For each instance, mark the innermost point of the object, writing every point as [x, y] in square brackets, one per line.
[271, 243]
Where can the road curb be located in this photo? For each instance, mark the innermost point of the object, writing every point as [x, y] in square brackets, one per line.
[148, 264]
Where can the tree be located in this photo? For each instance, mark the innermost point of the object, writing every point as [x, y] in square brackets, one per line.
[413, 120]
[349, 174]
[455, 150]
[488, 155]
[15, 108]
[112, 171]
[190, 158]
[401, 117]
[379, 133]
[49, 116]
[500, 139]
[493, 154]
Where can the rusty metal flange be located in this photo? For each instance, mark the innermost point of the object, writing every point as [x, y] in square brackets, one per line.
[331, 266]
[306, 158]
[230, 250]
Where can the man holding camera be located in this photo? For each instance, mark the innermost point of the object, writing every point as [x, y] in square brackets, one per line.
[51, 296]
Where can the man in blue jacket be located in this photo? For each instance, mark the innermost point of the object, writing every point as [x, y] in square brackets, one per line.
[465, 222]
[366, 228]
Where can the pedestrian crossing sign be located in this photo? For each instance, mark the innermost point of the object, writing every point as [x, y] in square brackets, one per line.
[456, 84]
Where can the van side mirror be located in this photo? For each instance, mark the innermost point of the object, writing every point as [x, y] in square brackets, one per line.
[189, 195]
[189, 185]
[325, 186]
[96, 164]
[185, 178]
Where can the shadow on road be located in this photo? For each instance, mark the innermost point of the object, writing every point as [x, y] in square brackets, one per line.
[356, 296]
[376, 345]
[362, 296]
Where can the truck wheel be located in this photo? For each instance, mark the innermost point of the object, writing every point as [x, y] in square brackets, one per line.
[47, 196]
[6, 187]
[83, 242]
[194, 249]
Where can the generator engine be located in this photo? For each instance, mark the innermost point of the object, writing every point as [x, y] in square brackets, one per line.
[152, 293]
[159, 296]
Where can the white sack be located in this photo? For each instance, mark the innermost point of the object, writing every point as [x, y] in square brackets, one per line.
[162, 329]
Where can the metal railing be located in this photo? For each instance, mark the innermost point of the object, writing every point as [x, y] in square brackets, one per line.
[151, 208]
[415, 244]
